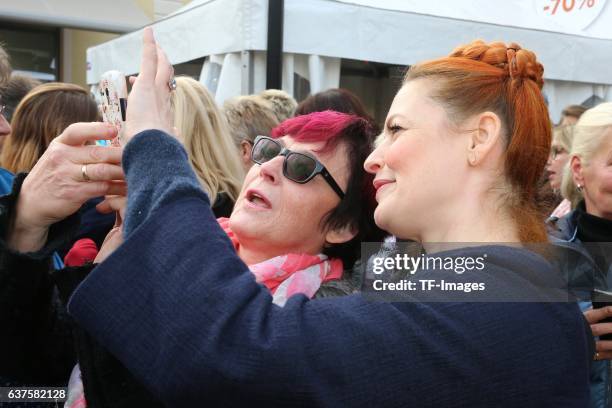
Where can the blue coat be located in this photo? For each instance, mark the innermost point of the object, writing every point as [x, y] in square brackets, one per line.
[183, 313]
[6, 181]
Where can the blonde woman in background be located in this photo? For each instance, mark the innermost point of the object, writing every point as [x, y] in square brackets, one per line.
[281, 102]
[205, 134]
[558, 158]
[585, 176]
[587, 184]
[248, 117]
[40, 117]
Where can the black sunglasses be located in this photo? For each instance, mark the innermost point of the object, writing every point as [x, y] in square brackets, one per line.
[297, 167]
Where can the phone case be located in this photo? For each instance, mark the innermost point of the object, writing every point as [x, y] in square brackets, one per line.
[113, 96]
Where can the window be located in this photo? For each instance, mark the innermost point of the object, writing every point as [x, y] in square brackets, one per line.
[34, 51]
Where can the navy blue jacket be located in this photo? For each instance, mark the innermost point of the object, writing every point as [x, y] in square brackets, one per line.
[184, 314]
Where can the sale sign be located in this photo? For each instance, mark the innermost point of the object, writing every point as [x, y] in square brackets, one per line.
[573, 15]
[587, 18]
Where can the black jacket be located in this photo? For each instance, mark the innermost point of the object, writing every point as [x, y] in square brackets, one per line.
[40, 343]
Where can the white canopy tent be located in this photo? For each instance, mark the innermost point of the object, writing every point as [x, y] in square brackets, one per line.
[573, 39]
[110, 15]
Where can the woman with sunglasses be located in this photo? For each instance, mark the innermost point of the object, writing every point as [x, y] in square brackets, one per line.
[304, 209]
[292, 210]
[181, 310]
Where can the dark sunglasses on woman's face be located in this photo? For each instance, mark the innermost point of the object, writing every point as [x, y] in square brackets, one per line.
[297, 167]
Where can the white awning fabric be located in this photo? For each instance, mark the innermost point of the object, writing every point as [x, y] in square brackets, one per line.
[575, 45]
[333, 28]
[117, 16]
[361, 31]
[587, 18]
[204, 28]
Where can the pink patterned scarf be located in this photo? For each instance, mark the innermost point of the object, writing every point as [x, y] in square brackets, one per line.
[288, 274]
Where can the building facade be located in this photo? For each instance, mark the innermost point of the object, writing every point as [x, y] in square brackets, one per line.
[48, 39]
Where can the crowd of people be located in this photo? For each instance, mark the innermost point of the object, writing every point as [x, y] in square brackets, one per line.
[216, 259]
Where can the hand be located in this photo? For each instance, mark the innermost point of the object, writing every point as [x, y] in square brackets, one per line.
[115, 236]
[55, 187]
[149, 100]
[594, 316]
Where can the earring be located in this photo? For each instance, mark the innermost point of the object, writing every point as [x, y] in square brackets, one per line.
[579, 188]
[473, 158]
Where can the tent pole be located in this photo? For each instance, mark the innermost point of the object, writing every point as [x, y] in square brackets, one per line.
[248, 67]
[274, 55]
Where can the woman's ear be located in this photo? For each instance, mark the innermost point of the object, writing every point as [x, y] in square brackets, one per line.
[341, 235]
[576, 169]
[485, 134]
[245, 152]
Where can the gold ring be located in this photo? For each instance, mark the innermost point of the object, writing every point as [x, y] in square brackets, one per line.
[84, 173]
[596, 357]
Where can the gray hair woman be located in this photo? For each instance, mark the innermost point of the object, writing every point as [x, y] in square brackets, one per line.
[587, 183]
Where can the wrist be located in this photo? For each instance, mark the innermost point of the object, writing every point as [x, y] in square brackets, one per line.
[26, 233]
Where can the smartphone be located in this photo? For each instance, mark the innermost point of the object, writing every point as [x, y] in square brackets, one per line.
[112, 94]
[602, 298]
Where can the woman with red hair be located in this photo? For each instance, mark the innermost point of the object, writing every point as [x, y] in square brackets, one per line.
[481, 110]
[465, 142]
